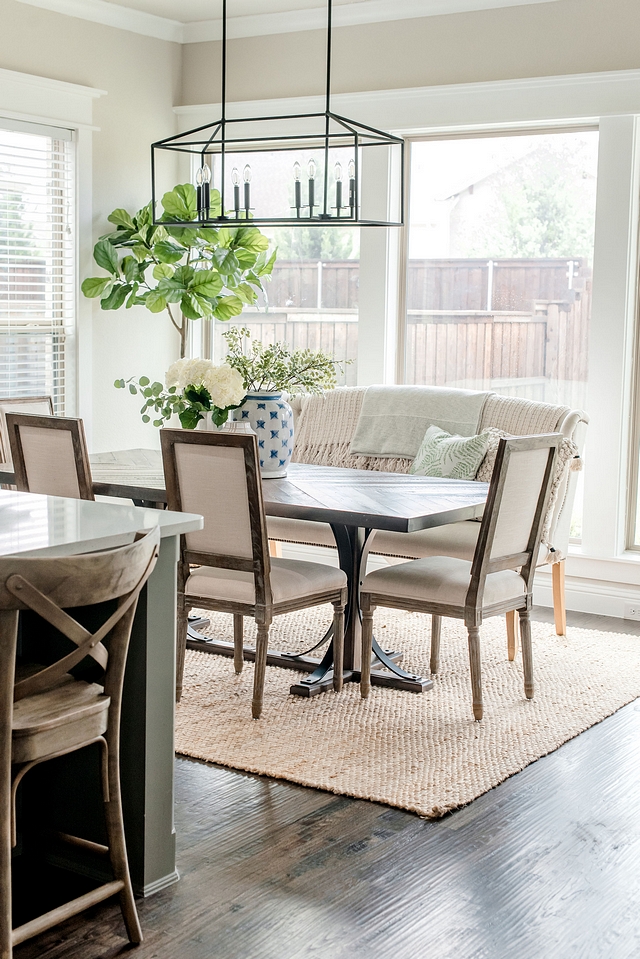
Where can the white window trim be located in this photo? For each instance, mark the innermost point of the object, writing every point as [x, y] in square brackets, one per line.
[601, 575]
[55, 103]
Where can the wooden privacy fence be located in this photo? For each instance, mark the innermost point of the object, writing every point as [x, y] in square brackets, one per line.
[517, 325]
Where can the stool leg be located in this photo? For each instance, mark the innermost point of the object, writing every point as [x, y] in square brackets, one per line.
[8, 635]
[116, 841]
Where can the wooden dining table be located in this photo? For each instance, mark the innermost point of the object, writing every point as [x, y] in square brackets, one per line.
[355, 504]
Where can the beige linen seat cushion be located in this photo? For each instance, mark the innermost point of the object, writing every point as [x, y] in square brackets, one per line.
[291, 580]
[441, 579]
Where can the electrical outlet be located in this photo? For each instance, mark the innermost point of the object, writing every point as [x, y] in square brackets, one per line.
[632, 611]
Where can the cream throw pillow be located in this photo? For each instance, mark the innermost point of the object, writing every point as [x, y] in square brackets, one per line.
[455, 457]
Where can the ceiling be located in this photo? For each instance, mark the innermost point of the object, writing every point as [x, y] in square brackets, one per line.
[193, 21]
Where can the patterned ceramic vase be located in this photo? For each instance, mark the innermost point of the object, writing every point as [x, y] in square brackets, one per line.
[271, 419]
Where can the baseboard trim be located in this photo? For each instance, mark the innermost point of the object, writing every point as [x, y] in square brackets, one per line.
[159, 884]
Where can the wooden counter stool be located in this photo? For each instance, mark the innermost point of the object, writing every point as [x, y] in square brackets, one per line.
[50, 713]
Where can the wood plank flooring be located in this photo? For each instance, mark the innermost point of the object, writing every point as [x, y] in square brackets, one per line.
[545, 866]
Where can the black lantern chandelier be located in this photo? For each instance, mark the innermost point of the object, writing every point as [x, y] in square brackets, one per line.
[293, 170]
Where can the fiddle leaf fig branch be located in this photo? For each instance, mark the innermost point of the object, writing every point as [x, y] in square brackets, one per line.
[189, 272]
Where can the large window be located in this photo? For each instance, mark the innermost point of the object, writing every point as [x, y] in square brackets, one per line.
[312, 298]
[37, 274]
[500, 255]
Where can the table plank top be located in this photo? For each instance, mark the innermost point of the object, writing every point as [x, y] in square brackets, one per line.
[392, 501]
[366, 498]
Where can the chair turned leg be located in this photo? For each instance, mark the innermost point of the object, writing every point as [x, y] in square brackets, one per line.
[181, 647]
[367, 644]
[436, 625]
[475, 667]
[559, 601]
[238, 642]
[116, 842]
[338, 645]
[262, 644]
[512, 634]
[527, 652]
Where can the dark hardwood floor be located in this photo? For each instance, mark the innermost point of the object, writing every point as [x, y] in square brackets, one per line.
[545, 866]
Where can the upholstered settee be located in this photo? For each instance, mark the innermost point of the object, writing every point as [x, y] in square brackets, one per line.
[325, 427]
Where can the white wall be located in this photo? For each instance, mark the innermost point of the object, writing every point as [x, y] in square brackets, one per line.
[141, 78]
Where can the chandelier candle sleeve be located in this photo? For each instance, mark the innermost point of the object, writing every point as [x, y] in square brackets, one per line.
[247, 189]
[338, 173]
[312, 185]
[235, 179]
[297, 187]
[352, 185]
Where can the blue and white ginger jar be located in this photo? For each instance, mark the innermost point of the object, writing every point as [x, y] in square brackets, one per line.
[271, 419]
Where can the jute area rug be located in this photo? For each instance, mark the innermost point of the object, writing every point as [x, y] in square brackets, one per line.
[423, 753]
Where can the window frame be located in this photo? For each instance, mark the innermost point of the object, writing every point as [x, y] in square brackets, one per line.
[40, 101]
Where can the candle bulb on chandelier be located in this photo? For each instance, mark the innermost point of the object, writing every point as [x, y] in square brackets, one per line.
[311, 169]
[235, 179]
[338, 175]
[247, 190]
[352, 186]
[297, 186]
[206, 190]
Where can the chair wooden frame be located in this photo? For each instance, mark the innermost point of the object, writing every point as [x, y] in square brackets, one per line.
[474, 611]
[16, 401]
[15, 422]
[264, 609]
[50, 587]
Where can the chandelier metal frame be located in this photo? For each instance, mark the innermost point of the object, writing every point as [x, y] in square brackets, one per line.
[225, 136]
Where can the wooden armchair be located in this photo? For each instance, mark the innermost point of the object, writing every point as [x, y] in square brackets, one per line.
[50, 455]
[500, 576]
[218, 476]
[47, 712]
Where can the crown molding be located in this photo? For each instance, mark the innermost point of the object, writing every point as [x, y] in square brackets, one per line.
[115, 15]
[262, 24]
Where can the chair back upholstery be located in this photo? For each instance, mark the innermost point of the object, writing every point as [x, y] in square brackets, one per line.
[40, 405]
[50, 587]
[517, 503]
[218, 475]
[50, 455]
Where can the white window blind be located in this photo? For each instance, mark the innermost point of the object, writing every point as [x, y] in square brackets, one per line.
[37, 262]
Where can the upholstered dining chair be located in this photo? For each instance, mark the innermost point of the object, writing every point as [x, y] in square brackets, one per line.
[40, 405]
[48, 710]
[50, 455]
[498, 579]
[218, 476]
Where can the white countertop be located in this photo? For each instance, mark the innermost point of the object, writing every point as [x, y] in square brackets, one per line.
[35, 525]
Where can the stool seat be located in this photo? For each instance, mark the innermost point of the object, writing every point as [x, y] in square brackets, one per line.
[68, 716]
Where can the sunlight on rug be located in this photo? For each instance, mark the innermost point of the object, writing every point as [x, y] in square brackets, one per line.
[425, 752]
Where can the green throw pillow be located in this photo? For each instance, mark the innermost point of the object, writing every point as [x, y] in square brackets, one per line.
[456, 457]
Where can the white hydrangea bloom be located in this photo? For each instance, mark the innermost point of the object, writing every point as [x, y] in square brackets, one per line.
[188, 372]
[225, 385]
